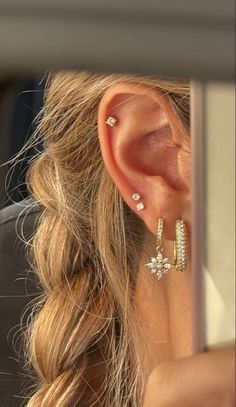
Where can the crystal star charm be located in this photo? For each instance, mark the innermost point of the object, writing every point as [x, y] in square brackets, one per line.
[159, 265]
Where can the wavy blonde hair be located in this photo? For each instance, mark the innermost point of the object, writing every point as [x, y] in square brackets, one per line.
[83, 342]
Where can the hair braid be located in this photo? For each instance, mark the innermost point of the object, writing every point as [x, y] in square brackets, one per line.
[82, 342]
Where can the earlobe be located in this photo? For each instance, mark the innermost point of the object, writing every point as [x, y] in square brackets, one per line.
[144, 154]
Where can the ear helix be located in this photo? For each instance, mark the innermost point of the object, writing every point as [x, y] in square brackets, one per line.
[112, 121]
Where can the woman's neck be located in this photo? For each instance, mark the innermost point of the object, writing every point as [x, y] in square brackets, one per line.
[164, 313]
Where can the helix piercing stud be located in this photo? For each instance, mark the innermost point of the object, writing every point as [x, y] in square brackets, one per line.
[111, 121]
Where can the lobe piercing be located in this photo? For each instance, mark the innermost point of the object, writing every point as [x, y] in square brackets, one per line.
[111, 121]
[140, 205]
[136, 197]
[160, 265]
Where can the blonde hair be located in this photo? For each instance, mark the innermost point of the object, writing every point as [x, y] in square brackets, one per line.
[83, 342]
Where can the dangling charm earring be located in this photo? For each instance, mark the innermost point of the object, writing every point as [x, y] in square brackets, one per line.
[160, 265]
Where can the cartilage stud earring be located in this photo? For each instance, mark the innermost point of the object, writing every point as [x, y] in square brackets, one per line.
[111, 121]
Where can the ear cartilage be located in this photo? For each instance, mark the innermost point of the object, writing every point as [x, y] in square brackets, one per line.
[140, 206]
[111, 121]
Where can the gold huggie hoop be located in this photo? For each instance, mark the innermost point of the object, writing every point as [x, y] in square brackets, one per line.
[180, 245]
[161, 265]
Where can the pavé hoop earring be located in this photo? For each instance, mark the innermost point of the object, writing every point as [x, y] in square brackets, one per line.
[160, 265]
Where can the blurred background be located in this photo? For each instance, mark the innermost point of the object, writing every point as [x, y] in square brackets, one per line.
[20, 102]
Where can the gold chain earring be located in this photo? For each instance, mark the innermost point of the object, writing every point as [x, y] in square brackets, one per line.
[160, 265]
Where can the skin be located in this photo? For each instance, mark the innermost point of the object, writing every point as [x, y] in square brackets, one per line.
[202, 380]
[142, 156]
[175, 377]
[164, 310]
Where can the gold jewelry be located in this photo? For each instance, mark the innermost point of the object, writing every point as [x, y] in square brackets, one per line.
[180, 245]
[161, 265]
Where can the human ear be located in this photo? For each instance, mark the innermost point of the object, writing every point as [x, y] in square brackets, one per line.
[147, 152]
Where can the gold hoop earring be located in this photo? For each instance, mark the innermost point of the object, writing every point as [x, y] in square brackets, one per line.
[180, 245]
[160, 265]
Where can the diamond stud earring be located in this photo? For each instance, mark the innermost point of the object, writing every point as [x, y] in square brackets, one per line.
[136, 197]
[111, 121]
[140, 205]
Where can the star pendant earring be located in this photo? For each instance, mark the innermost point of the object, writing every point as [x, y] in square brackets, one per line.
[160, 264]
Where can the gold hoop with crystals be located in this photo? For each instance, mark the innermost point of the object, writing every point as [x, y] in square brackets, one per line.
[160, 265]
